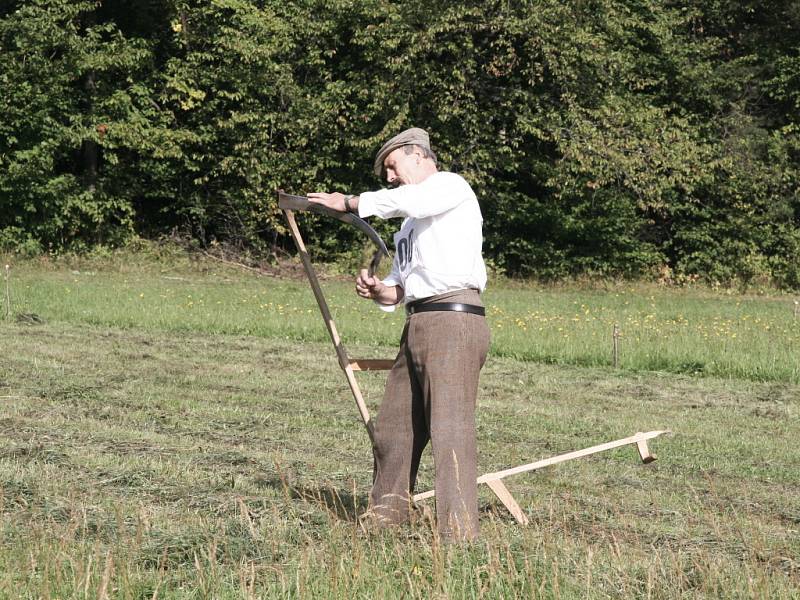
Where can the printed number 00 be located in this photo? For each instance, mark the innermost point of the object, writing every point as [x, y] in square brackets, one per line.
[405, 250]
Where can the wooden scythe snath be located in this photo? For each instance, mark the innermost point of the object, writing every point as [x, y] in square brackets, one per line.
[289, 204]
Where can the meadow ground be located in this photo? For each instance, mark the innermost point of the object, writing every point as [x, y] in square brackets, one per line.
[182, 430]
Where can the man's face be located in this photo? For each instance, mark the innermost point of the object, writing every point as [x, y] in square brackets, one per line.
[402, 168]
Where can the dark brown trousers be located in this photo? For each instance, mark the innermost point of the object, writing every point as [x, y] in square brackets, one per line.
[430, 396]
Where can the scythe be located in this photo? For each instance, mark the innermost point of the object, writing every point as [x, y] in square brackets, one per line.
[290, 203]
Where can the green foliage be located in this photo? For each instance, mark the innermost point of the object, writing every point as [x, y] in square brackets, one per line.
[604, 137]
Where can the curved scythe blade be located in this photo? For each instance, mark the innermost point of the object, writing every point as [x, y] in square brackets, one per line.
[292, 202]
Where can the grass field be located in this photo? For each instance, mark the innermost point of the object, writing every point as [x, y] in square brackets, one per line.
[695, 332]
[182, 430]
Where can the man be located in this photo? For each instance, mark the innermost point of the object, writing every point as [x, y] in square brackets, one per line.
[438, 273]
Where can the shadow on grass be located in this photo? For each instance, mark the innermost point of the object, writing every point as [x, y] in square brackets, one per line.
[349, 505]
[339, 502]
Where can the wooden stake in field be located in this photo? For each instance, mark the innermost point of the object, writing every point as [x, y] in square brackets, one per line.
[615, 343]
[8, 291]
[289, 204]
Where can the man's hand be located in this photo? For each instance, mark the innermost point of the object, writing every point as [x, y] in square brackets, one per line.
[334, 201]
[368, 287]
[373, 288]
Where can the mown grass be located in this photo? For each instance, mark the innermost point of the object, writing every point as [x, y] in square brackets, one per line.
[147, 453]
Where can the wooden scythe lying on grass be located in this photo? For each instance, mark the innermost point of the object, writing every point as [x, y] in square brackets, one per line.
[289, 204]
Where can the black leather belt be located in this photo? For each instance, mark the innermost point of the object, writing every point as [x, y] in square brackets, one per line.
[446, 306]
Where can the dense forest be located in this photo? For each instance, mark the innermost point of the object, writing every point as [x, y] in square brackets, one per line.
[634, 138]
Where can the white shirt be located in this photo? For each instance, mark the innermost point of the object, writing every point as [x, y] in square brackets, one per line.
[438, 247]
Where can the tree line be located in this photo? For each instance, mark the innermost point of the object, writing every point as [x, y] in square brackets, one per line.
[634, 138]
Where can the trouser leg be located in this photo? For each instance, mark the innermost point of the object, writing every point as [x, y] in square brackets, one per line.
[401, 434]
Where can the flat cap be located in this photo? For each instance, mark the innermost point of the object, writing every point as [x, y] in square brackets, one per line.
[415, 135]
